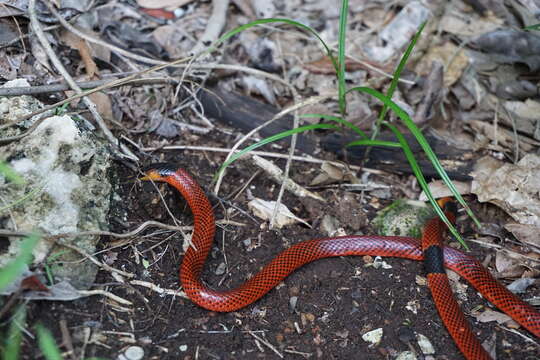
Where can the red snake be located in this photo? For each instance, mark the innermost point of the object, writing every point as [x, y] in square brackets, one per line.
[429, 248]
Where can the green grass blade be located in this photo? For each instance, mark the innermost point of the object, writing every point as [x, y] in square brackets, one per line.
[533, 27]
[22, 199]
[273, 138]
[423, 143]
[423, 183]
[47, 344]
[369, 142]
[10, 174]
[337, 119]
[14, 268]
[14, 338]
[342, 91]
[297, 24]
[399, 70]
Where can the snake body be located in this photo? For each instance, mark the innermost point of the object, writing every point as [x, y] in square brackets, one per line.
[307, 251]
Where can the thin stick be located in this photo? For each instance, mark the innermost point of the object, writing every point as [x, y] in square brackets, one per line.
[44, 89]
[265, 342]
[310, 101]
[214, 25]
[66, 339]
[307, 159]
[110, 295]
[176, 63]
[35, 24]
[158, 289]
[5, 232]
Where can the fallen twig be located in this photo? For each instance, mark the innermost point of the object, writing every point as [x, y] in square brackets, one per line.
[124, 151]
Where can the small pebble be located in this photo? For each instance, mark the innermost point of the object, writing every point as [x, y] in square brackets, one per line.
[292, 302]
[406, 355]
[132, 353]
[221, 269]
[425, 345]
[374, 336]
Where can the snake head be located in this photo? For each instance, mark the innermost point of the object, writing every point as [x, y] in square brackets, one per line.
[448, 205]
[157, 172]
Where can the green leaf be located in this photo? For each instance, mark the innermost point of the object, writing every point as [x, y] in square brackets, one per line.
[273, 138]
[342, 91]
[533, 27]
[423, 183]
[297, 24]
[12, 270]
[423, 143]
[338, 120]
[10, 174]
[428, 151]
[14, 338]
[369, 142]
[47, 344]
[399, 70]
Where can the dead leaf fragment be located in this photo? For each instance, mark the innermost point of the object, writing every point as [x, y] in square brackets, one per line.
[527, 234]
[456, 22]
[512, 187]
[103, 104]
[163, 4]
[264, 210]
[489, 315]
[398, 33]
[510, 47]
[373, 337]
[276, 174]
[439, 189]
[520, 285]
[507, 266]
[82, 47]
[325, 66]
[448, 53]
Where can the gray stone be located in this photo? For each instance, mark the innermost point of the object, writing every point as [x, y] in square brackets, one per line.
[67, 189]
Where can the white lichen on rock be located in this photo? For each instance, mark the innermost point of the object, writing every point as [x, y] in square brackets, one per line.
[65, 169]
[56, 131]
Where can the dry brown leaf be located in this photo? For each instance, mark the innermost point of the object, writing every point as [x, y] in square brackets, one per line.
[398, 33]
[7, 69]
[264, 210]
[163, 4]
[159, 13]
[103, 104]
[324, 66]
[489, 315]
[439, 189]
[504, 138]
[39, 53]
[512, 187]
[456, 22]
[527, 234]
[444, 54]
[81, 46]
[506, 266]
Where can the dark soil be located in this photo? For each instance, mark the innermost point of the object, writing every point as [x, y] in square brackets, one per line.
[338, 300]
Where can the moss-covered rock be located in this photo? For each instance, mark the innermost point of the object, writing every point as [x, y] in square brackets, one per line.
[403, 218]
[67, 189]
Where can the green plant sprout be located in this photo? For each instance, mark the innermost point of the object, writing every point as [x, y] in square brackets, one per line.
[339, 66]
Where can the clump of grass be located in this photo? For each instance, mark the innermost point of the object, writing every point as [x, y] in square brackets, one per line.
[337, 122]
